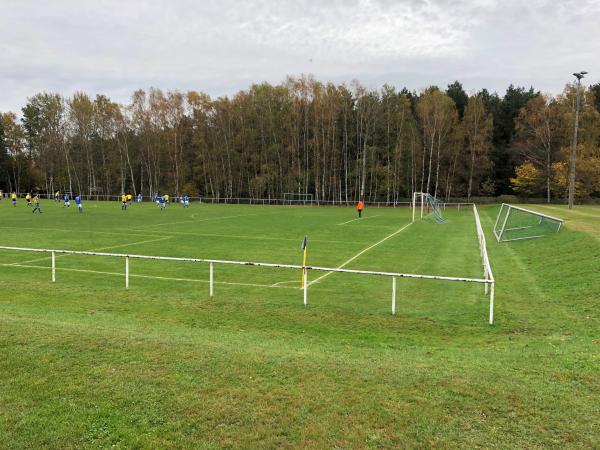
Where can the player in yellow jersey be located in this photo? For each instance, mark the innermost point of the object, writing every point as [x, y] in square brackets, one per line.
[13, 198]
[36, 202]
[28, 198]
[129, 198]
[166, 197]
[123, 201]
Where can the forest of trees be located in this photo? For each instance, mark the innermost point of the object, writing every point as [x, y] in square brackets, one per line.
[337, 142]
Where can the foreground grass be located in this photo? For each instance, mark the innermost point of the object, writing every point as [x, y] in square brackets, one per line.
[86, 364]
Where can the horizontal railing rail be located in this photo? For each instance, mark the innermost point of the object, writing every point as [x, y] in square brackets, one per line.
[212, 262]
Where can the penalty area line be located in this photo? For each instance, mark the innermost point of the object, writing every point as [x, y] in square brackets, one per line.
[139, 228]
[345, 263]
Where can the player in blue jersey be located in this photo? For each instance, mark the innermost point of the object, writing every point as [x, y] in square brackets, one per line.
[78, 203]
[139, 198]
[66, 201]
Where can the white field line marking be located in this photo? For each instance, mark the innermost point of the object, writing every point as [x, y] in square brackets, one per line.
[94, 250]
[283, 282]
[345, 263]
[359, 218]
[568, 211]
[66, 230]
[193, 221]
[120, 274]
[237, 236]
[180, 233]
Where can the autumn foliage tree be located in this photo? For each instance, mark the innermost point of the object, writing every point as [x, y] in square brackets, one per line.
[477, 124]
[337, 142]
[541, 131]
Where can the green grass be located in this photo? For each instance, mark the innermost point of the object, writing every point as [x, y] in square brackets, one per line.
[85, 363]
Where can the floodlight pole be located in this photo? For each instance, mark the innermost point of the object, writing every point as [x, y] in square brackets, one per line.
[573, 161]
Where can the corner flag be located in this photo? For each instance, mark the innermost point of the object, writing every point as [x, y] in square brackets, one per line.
[303, 247]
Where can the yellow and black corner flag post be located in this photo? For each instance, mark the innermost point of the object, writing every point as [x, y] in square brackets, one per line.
[303, 248]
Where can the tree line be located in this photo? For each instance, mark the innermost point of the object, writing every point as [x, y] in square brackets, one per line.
[337, 142]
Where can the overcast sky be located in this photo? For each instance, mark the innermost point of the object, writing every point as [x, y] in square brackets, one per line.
[222, 46]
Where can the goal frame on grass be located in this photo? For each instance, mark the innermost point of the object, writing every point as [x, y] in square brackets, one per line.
[296, 198]
[426, 199]
[502, 221]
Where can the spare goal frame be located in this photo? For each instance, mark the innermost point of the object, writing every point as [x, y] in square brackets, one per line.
[506, 210]
[297, 198]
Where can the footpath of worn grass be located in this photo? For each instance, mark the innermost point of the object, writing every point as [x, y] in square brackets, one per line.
[87, 364]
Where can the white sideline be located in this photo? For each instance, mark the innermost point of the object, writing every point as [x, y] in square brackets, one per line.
[120, 274]
[179, 233]
[345, 263]
[95, 250]
[572, 211]
[283, 282]
[359, 218]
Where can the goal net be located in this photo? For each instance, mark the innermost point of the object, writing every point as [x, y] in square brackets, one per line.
[294, 198]
[428, 206]
[515, 223]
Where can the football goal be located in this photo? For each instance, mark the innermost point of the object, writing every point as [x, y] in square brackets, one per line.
[295, 198]
[429, 206]
[515, 223]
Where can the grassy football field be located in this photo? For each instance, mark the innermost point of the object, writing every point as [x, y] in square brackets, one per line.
[85, 363]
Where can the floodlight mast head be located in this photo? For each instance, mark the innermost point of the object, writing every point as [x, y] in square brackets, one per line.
[580, 75]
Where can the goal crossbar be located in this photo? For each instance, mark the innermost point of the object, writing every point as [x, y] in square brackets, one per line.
[487, 280]
[432, 204]
[535, 213]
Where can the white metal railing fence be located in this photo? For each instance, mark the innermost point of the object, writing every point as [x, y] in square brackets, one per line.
[247, 200]
[485, 260]
[212, 262]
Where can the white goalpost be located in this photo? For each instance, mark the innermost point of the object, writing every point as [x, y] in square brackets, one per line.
[515, 223]
[429, 207]
[295, 198]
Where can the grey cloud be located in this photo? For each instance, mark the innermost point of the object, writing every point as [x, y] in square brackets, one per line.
[113, 47]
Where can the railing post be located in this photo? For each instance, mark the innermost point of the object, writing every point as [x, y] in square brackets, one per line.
[126, 272]
[305, 286]
[53, 267]
[211, 278]
[486, 277]
[394, 296]
[492, 304]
